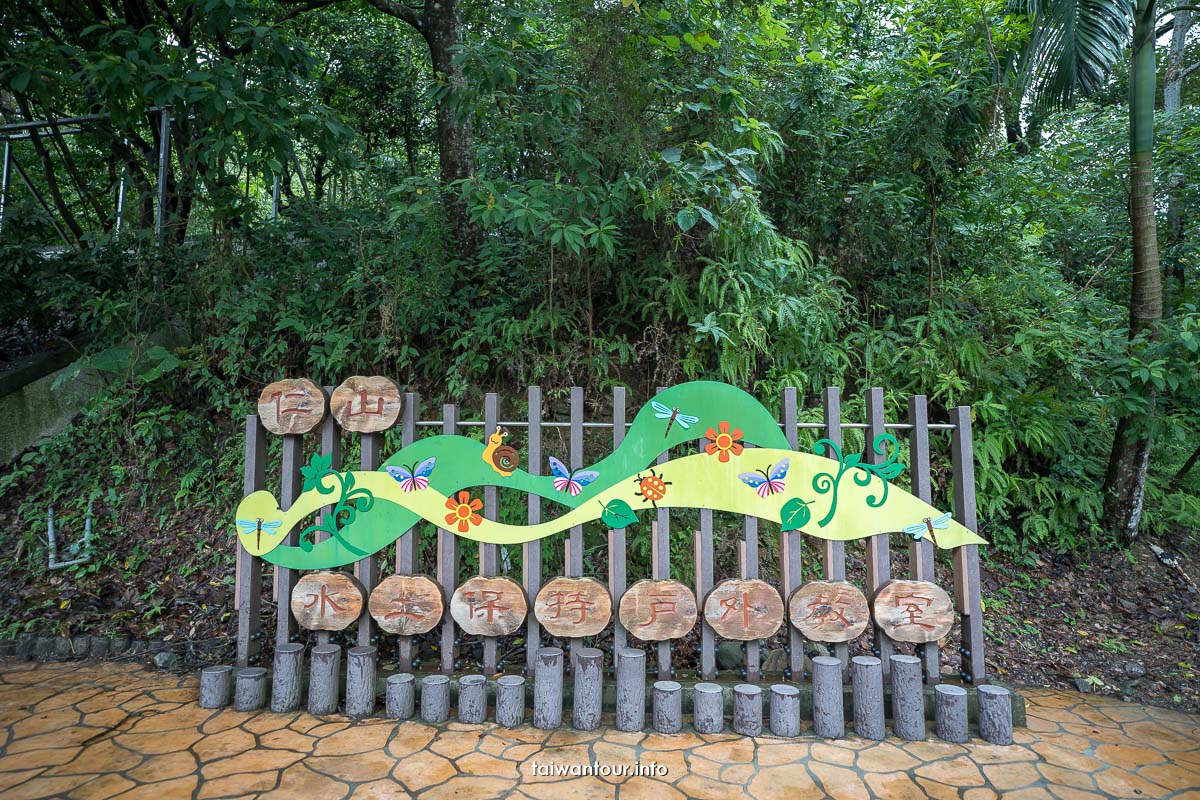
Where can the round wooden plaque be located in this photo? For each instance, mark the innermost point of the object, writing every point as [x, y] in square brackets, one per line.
[655, 611]
[292, 405]
[406, 604]
[366, 405]
[829, 611]
[914, 611]
[327, 601]
[489, 606]
[573, 607]
[744, 609]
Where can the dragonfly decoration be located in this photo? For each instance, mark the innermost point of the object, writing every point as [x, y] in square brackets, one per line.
[672, 415]
[926, 527]
[258, 526]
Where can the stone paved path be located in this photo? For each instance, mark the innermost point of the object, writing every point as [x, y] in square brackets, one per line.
[83, 730]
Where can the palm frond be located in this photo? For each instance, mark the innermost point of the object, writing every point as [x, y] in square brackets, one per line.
[1073, 47]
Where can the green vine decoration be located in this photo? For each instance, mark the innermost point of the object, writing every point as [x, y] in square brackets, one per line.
[350, 502]
[827, 483]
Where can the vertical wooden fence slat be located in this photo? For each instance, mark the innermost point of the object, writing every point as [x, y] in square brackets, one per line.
[703, 546]
[487, 552]
[616, 538]
[966, 558]
[448, 558]
[407, 545]
[835, 552]
[285, 579]
[531, 560]
[661, 565]
[248, 583]
[879, 559]
[574, 554]
[367, 569]
[790, 563]
[331, 445]
[920, 552]
[749, 549]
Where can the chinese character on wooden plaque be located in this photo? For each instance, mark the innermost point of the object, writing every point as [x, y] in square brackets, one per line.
[293, 405]
[655, 611]
[573, 607]
[326, 601]
[913, 611]
[829, 611]
[744, 609]
[366, 405]
[406, 604]
[489, 606]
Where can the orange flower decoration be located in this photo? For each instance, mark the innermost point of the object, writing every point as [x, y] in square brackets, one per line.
[464, 511]
[724, 443]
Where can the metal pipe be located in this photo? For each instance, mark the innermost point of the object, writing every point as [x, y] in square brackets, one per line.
[896, 426]
[275, 199]
[4, 185]
[85, 545]
[164, 153]
[121, 197]
[30, 135]
[47, 123]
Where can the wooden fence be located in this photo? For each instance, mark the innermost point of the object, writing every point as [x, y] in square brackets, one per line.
[917, 429]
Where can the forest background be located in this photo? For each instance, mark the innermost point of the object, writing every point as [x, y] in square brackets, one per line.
[936, 197]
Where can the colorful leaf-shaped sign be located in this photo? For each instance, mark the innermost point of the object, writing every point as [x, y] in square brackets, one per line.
[795, 514]
[617, 514]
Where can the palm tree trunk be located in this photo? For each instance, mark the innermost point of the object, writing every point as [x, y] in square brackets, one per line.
[1125, 482]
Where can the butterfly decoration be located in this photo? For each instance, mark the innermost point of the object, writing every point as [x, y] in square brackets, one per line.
[927, 526]
[672, 415]
[570, 481]
[767, 481]
[413, 479]
[258, 526]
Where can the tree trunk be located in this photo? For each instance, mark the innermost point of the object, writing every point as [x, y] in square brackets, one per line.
[1125, 483]
[443, 31]
[35, 138]
[1173, 77]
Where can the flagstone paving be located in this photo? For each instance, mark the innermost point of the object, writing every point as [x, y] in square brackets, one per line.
[89, 731]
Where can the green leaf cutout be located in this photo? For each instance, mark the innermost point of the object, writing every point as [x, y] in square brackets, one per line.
[315, 471]
[617, 514]
[795, 514]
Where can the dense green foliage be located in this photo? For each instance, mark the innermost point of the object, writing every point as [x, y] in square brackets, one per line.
[762, 193]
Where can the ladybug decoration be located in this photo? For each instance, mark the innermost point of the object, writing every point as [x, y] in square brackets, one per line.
[504, 459]
[653, 487]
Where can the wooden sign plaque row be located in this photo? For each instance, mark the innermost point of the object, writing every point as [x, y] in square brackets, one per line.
[360, 404]
[651, 610]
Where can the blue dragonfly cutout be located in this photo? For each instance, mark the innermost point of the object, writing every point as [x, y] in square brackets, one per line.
[672, 415]
[257, 525]
[927, 526]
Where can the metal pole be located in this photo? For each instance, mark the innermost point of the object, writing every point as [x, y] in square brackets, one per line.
[164, 153]
[4, 185]
[42, 202]
[275, 200]
[300, 174]
[121, 197]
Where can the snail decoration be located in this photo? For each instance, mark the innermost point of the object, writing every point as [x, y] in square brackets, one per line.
[504, 459]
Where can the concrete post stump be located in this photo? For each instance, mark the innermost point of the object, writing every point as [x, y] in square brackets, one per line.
[631, 690]
[867, 675]
[401, 696]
